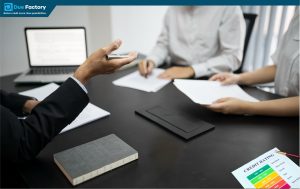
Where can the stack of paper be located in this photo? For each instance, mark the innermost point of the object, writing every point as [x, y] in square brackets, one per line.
[89, 113]
[150, 84]
[206, 92]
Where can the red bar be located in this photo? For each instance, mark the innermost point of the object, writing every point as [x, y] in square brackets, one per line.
[279, 184]
[286, 186]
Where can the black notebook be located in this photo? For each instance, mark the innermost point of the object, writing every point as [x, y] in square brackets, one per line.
[175, 122]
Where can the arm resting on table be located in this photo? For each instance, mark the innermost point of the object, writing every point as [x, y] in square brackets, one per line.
[24, 139]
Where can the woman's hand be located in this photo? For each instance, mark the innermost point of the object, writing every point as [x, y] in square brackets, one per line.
[230, 106]
[226, 78]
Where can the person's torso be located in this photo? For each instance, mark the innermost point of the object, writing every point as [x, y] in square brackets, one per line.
[193, 34]
[287, 61]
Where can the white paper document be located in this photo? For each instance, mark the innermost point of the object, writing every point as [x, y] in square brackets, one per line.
[89, 113]
[150, 84]
[206, 92]
[270, 170]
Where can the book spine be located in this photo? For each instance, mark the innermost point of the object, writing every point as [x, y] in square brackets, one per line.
[104, 169]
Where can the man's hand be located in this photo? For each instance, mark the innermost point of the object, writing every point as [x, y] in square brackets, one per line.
[226, 78]
[146, 67]
[230, 106]
[29, 105]
[177, 73]
[97, 63]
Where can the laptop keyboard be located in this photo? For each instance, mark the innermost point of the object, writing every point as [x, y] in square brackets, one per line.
[51, 71]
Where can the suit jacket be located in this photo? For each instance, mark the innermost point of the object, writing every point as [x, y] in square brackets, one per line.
[24, 139]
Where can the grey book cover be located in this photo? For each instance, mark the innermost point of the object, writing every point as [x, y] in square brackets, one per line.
[94, 158]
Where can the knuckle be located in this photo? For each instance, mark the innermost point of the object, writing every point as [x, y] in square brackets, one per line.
[115, 45]
[104, 50]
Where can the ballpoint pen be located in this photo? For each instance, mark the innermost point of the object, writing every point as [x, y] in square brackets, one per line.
[287, 154]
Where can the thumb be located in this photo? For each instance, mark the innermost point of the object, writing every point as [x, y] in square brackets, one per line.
[111, 47]
[227, 81]
[221, 100]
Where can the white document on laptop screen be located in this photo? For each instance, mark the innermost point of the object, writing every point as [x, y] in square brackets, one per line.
[56, 47]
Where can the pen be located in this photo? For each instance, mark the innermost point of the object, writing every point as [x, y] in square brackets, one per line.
[287, 154]
[146, 68]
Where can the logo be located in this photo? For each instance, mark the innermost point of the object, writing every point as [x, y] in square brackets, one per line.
[8, 7]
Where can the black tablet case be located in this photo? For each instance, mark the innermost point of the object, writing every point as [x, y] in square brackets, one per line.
[175, 122]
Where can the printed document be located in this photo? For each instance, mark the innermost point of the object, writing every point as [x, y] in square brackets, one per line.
[150, 84]
[89, 113]
[206, 92]
[270, 170]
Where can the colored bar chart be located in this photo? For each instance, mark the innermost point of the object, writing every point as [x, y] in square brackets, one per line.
[266, 177]
[269, 170]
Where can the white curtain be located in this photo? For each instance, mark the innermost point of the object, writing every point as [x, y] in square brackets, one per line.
[270, 25]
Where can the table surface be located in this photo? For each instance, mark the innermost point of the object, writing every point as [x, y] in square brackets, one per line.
[165, 160]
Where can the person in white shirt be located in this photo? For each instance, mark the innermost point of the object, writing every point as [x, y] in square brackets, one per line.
[198, 41]
[285, 73]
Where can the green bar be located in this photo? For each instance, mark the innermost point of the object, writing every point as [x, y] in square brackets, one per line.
[262, 175]
[250, 177]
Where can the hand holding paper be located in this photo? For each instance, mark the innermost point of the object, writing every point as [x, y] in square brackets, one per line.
[208, 92]
[230, 105]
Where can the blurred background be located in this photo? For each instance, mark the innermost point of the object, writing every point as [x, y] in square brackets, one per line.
[137, 26]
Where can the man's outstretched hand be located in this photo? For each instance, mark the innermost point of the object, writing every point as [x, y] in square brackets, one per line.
[97, 63]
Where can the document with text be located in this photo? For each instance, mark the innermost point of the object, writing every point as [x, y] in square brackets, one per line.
[89, 113]
[270, 170]
[206, 92]
[150, 84]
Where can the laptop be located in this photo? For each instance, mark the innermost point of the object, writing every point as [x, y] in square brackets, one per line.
[53, 53]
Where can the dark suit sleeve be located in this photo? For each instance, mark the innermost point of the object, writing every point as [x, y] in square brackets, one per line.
[24, 139]
[14, 102]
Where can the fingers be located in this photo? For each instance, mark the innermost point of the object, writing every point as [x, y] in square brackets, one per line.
[227, 81]
[222, 100]
[219, 105]
[123, 61]
[143, 68]
[111, 47]
[146, 67]
[216, 107]
[216, 77]
[165, 75]
[150, 67]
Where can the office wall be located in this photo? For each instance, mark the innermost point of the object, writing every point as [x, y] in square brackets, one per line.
[12, 41]
[137, 26]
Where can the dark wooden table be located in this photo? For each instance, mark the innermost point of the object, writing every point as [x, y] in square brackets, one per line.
[165, 160]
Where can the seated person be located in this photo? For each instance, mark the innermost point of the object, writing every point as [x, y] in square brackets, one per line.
[198, 41]
[23, 139]
[285, 73]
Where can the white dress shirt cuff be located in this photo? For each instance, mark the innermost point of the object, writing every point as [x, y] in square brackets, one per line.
[80, 84]
[200, 70]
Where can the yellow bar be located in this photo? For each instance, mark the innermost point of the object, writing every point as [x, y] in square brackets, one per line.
[266, 180]
[273, 182]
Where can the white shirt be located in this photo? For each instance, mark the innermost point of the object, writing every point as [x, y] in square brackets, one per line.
[210, 39]
[286, 58]
[80, 84]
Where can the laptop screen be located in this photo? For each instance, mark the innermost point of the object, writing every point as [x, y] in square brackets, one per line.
[56, 46]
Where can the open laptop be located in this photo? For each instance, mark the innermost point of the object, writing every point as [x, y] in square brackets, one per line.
[53, 53]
